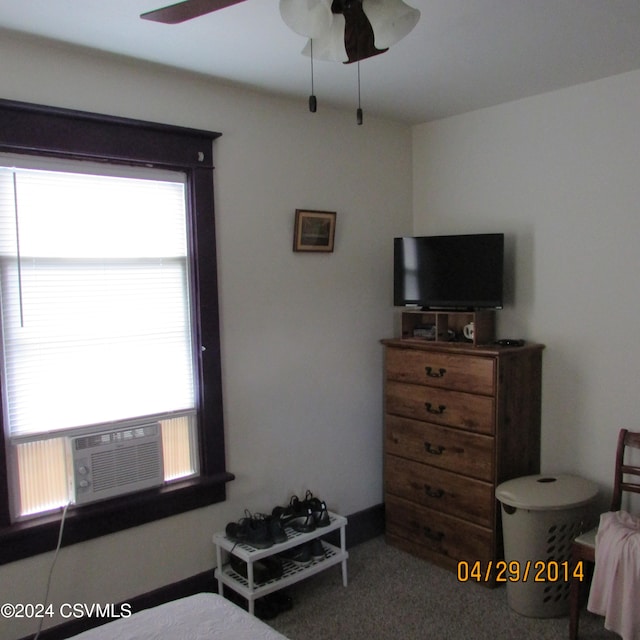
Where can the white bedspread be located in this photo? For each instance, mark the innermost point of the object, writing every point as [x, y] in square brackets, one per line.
[204, 616]
[615, 589]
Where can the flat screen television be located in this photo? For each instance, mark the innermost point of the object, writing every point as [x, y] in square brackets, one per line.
[449, 272]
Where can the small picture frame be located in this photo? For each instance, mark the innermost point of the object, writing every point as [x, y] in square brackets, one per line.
[314, 230]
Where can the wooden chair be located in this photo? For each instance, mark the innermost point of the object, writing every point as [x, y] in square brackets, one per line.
[584, 546]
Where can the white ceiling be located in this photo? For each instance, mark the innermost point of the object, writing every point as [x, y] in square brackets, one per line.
[462, 55]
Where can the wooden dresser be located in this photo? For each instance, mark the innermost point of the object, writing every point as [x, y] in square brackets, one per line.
[459, 420]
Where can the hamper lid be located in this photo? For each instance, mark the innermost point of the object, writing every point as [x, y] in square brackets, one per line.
[546, 491]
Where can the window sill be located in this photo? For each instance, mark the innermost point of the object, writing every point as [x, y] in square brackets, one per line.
[24, 539]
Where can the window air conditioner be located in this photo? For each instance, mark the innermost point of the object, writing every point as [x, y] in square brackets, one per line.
[112, 463]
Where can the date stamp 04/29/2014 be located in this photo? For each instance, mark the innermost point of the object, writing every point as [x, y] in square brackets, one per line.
[517, 571]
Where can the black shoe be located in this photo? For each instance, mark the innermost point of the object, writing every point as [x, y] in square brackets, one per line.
[318, 510]
[269, 568]
[297, 515]
[303, 521]
[251, 530]
[300, 555]
[281, 600]
[317, 550]
[262, 608]
[276, 529]
[265, 609]
[237, 531]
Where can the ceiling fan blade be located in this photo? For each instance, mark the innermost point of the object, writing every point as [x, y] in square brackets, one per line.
[175, 13]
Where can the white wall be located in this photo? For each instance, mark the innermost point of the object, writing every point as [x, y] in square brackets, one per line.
[302, 365]
[560, 175]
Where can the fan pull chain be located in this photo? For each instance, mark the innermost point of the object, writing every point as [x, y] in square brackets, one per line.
[359, 109]
[313, 103]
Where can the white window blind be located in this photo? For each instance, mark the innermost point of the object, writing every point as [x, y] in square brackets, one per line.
[96, 314]
[95, 307]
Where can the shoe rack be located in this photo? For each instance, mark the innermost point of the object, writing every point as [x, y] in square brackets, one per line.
[292, 572]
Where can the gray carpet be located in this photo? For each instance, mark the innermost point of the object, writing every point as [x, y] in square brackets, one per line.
[393, 595]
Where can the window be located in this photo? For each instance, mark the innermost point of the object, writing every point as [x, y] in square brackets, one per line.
[96, 318]
[109, 314]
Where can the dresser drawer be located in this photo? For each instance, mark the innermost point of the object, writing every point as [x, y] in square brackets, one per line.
[441, 490]
[437, 531]
[470, 454]
[474, 374]
[440, 406]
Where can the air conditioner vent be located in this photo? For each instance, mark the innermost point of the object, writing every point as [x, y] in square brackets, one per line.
[112, 463]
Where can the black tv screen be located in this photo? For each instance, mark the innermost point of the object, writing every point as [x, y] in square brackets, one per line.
[449, 272]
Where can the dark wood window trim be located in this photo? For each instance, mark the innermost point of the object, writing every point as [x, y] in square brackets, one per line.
[40, 130]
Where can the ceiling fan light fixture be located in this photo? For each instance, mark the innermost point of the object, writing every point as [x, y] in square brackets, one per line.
[330, 45]
[391, 20]
[310, 18]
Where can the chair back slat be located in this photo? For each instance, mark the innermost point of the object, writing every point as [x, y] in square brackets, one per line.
[622, 481]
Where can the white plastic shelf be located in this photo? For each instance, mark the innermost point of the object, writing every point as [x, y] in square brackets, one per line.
[292, 572]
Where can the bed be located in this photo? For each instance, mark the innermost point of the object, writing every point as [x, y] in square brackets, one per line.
[204, 616]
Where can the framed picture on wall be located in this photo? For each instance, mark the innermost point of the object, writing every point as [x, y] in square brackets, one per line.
[314, 230]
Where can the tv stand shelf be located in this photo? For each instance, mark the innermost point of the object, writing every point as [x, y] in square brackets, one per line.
[447, 325]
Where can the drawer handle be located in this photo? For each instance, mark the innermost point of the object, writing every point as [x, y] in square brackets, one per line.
[434, 451]
[430, 409]
[436, 536]
[433, 493]
[437, 374]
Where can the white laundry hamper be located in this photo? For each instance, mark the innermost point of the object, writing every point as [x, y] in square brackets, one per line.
[541, 516]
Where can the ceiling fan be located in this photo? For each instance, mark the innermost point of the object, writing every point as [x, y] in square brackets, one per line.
[338, 30]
